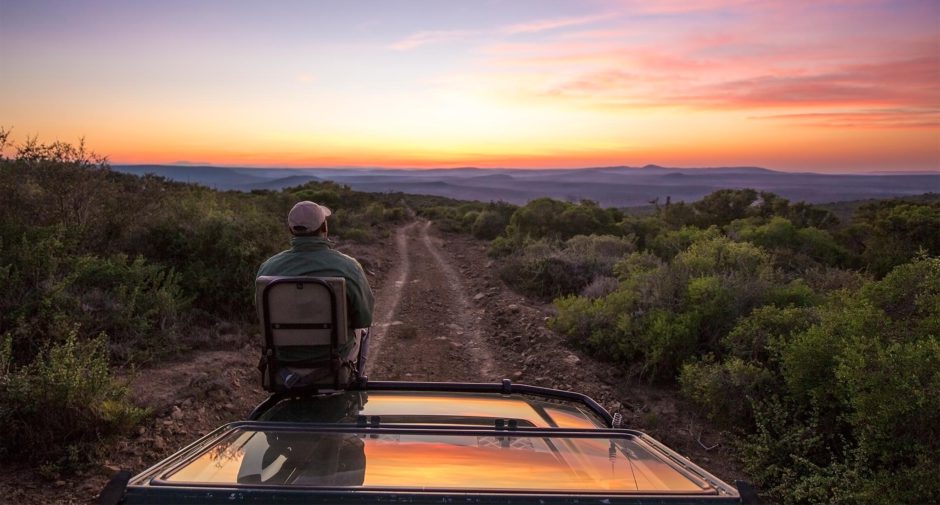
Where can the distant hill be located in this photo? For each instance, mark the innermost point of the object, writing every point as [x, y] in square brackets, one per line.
[619, 186]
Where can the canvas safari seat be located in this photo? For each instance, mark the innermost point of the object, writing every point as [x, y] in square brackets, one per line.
[308, 345]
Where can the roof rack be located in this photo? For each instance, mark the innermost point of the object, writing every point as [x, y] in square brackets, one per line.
[505, 387]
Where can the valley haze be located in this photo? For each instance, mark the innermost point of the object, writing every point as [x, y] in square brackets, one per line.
[619, 186]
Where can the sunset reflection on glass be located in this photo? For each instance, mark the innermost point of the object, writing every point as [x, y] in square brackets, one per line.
[439, 461]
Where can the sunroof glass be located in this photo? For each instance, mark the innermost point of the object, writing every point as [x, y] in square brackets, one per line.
[437, 461]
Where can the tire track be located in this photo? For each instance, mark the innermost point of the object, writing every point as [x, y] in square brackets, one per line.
[389, 297]
[466, 317]
[429, 329]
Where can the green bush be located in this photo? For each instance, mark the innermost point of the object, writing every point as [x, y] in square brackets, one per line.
[547, 270]
[449, 225]
[216, 242]
[759, 336]
[830, 380]
[357, 235]
[375, 213]
[467, 220]
[599, 325]
[664, 314]
[668, 244]
[545, 277]
[545, 218]
[140, 305]
[488, 225]
[790, 243]
[844, 396]
[60, 409]
[893, 232]
[49, 293]
[793, 462]
[727, 390]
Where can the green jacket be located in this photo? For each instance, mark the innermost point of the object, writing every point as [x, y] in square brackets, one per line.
[315, 256]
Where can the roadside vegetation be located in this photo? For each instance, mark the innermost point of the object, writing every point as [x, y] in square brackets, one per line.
[813, 340]
[100, 269]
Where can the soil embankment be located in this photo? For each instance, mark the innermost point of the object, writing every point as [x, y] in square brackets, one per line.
[442, 314]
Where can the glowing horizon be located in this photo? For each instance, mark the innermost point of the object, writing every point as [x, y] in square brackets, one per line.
[823, 86]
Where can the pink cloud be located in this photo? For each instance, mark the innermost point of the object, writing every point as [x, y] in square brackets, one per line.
[444, 36]
[856, 64]
[908, 83]
[429, 37]
[876, 118]
[554, 23]
[911, 85]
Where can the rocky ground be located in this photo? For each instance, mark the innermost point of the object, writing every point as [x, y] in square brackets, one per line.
[442, 314]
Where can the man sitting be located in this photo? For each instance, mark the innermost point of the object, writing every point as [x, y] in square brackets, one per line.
[312, 254]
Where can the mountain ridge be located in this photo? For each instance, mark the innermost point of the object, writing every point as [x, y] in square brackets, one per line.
[608, 185]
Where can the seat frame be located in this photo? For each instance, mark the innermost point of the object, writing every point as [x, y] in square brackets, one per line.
[270, 360]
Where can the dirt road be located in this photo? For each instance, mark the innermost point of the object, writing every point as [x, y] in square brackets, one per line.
[426, 327]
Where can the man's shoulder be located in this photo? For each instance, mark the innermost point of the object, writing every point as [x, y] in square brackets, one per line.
[273, 260]
[345, 259]
[343, 256]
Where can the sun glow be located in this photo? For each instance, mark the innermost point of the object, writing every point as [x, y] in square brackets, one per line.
[827, 86]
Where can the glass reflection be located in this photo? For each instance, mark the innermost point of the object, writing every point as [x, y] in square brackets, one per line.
[446, 461]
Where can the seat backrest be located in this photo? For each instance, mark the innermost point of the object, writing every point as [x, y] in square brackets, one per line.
[296, 306]
[304, 326]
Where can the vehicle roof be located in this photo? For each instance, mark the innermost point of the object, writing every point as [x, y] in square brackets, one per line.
[397, 440]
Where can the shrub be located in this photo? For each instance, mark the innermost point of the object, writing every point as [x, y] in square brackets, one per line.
[853, 414]
[601, 286]
[545, 218]
[501, 247]
[892, 394]
[726, 390]
[892, 232]
[488, 225]
[792, 244]
[795, 293]
[668, 244]
[547, 270]
[636, 264]
[357, 235]
[667, 340]
[598, 324]
[216, 244]
[61, 407]
[449, 225]
[760, 336]
[49, 293]
[664, 314]
[140, 304]
[825, 279]
[602, 250]
[468, 219]
[544, 277]
[726, 205]
[792, 460]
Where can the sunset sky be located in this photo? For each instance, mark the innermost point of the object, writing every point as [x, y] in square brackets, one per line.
[789, 85]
